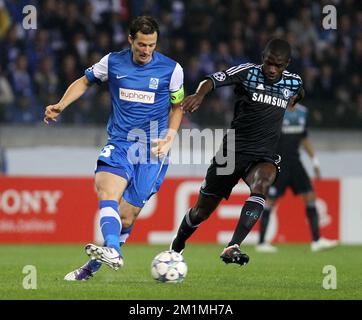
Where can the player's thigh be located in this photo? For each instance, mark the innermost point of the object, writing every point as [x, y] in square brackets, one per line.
[218, 184]
[109, 186]
[128, 212]
[113, 170]
[145, 182]
[261, 176]
[309, 197]
[281, 183]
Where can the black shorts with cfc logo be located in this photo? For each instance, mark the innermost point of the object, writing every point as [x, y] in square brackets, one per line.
[292, 174]
[222, 178]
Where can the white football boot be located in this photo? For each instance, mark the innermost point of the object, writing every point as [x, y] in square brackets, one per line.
[108, 255]
[81, 274]
[323, 244]
[266, 248]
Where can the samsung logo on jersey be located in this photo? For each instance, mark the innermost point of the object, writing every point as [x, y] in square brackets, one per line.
[274, 101]
[136, 96]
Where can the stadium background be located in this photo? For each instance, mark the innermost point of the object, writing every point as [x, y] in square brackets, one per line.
[46, 192]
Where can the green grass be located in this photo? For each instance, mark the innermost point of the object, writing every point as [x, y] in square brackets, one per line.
[292, 273]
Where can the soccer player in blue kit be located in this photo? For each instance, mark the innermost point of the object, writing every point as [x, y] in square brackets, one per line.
[146, 89]
[293, 174]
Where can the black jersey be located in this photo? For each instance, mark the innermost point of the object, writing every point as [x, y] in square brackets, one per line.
[259, 108]
[293, 132]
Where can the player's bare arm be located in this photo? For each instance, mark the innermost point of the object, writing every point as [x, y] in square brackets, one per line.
[163, 146]
[192, 102]
[74, 91]
[295, 99]
[309, 148]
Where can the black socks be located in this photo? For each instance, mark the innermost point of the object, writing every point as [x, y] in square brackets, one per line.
[186, 229]
[264, 221]
[250, 214]
[313, 220]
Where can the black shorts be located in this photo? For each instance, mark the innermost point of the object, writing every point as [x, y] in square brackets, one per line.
[220, 185]
[292, 174]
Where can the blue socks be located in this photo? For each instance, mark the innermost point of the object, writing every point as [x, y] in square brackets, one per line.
[111, 227]
[110, 223]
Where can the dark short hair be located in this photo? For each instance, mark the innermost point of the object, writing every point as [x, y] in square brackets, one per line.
[145, 25]
[278, 47]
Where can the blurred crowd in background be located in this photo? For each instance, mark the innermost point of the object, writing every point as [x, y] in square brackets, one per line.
[36, 66]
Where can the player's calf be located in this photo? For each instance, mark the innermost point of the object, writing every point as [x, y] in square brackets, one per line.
[186, 229]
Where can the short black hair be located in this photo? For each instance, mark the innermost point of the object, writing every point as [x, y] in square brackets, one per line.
[145, 25]
[278, 47]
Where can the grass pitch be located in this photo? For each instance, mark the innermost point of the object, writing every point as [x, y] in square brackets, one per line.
[292, 273]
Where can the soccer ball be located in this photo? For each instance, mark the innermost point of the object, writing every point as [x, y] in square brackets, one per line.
[169, 266]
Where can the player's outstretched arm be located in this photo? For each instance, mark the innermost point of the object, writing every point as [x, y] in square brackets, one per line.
[309, 148]
[295, 99]
[163, 146]
[74, 91]
[192, 102]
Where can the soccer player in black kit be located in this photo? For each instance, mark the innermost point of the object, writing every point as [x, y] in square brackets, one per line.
[293, 175]
[263, 93]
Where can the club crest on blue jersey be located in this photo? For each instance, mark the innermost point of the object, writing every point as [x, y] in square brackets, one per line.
[154, 83]
[286, 93]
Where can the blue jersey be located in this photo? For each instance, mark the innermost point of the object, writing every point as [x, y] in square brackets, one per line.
[140, 94]
[294, 130]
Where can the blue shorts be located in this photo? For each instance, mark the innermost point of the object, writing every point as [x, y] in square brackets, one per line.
[133, 162]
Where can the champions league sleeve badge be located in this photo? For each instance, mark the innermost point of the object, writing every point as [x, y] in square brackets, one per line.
[219, 76]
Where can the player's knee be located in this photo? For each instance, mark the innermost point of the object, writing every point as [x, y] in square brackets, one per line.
[309, 197]
[127, 222]
[129, 215]
[261, 185]
[107, 195]
[270, 202]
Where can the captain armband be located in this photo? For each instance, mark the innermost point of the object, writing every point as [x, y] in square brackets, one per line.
[177, 96]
